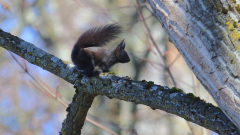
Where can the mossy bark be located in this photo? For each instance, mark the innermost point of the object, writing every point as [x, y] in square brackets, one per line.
[206, 33]
[140, 92]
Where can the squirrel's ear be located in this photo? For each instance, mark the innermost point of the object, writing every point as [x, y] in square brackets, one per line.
[119, 48]
[123, 44]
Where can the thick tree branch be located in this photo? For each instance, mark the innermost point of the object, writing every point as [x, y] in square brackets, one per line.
[140, 92]
[38, 57]
[207, 35]
[77, 112]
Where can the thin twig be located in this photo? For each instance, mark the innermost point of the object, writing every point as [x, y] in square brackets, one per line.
[101, 126]
[178, 56]
[106, 9]
[55, 96]
[191, 129]
[143, 22]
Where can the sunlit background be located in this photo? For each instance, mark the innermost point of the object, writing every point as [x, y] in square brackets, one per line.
[54, 26]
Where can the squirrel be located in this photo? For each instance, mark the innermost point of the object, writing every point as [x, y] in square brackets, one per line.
[88, 51]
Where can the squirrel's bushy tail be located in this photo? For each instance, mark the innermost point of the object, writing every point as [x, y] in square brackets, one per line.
[96, 37]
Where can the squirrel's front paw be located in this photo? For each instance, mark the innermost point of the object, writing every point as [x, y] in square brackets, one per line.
[91, 74]
[96, 72]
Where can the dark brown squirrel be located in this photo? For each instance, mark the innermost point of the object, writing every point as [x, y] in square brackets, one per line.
[88, 51]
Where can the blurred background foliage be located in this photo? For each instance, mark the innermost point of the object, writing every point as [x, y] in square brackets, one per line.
[54, 26]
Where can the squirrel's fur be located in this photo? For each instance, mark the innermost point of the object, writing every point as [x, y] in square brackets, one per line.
[88, 51]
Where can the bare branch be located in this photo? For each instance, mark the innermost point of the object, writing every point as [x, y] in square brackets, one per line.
[206, 33]
[143, 22]
[172, 100]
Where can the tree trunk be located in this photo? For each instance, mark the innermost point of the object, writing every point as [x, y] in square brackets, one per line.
[206, 34]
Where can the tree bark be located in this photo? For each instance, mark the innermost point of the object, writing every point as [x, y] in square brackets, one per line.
[155, 96]
[77, 112]
[206, 33]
